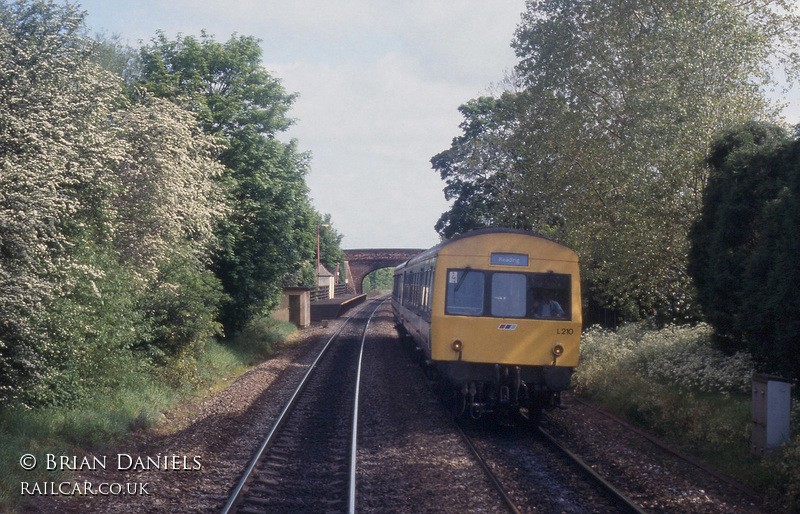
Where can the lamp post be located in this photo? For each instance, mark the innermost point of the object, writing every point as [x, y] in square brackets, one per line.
[320, 225]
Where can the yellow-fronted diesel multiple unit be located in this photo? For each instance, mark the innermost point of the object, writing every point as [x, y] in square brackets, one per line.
[497, 315]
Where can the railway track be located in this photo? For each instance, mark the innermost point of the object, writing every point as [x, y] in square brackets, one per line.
[539, 481]
[307, 461]
[410, 457]
[617, 497]
[508, 501]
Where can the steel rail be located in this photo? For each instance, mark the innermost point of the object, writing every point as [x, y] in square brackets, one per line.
[507, 500]
[750, 493]
[352, 498]
[235, 496]
[618, 495]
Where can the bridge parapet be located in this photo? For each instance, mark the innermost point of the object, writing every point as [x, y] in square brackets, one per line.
[364, 261]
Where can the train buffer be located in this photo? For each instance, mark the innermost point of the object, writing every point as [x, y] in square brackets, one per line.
[335, 307]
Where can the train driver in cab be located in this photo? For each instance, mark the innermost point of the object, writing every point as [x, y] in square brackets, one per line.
[546, 307]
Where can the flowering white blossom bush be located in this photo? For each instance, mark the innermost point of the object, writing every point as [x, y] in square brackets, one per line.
[107, 211]
[53, 106]
[678, 356]
[167, 194]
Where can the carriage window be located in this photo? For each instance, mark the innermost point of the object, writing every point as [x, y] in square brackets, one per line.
[509, 295]
[465, 292]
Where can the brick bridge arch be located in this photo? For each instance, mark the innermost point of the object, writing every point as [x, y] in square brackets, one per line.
[364, 261]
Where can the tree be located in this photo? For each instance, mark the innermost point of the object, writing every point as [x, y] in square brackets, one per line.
[167, 194]
[379, 280]
[106, 211]
[266, 234]
[603, 143]
[476, 167]
[167, 202]
[53, 108]
[330, 240]
[119, 58]
[224, 83]
[744, 256]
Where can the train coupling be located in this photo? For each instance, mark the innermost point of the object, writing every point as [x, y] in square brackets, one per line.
[504, 394]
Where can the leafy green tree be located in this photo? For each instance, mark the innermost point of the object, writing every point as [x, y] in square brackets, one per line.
[744, 256]
[774, 276]
[118, 57]
[476, 167]
[180, 307]
[265, 236]
[330, 240]
[602, 142]
[379, 280]
[103, 207]
[224, 83]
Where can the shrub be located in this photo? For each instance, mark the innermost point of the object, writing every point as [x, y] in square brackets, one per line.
[261, 338]
[745, 253]
[663, 379]
[180, 306]
[54, 108]
[86, 332]
[678, 356]
[676, 383]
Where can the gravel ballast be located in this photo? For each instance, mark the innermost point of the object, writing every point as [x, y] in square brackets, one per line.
[405, 446]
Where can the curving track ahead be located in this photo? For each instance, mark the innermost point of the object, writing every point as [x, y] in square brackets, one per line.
[307, 461]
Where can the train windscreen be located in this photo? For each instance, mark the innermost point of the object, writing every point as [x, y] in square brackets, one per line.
[465, 292]
[503, 294]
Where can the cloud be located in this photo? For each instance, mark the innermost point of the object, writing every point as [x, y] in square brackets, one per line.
[374, 115]
[379, 84]
[372, 131]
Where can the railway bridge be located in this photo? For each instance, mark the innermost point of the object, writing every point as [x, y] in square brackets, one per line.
[364, 261]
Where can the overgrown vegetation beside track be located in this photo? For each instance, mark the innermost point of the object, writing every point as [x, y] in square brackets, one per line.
[137, 401]
[142, 214]
[674, 383]
[134, 222]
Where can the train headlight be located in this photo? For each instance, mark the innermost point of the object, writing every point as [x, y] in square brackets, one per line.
[558, 350]
[457, 345]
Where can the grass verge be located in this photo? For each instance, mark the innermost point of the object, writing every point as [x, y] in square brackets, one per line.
[107, 417]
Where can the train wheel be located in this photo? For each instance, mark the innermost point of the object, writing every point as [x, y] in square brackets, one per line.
[535, 409]
[533, 416]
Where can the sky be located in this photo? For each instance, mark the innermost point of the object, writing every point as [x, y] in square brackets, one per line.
[379, 83]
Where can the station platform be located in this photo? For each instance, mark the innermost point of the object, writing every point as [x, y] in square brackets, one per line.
[335, 307]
